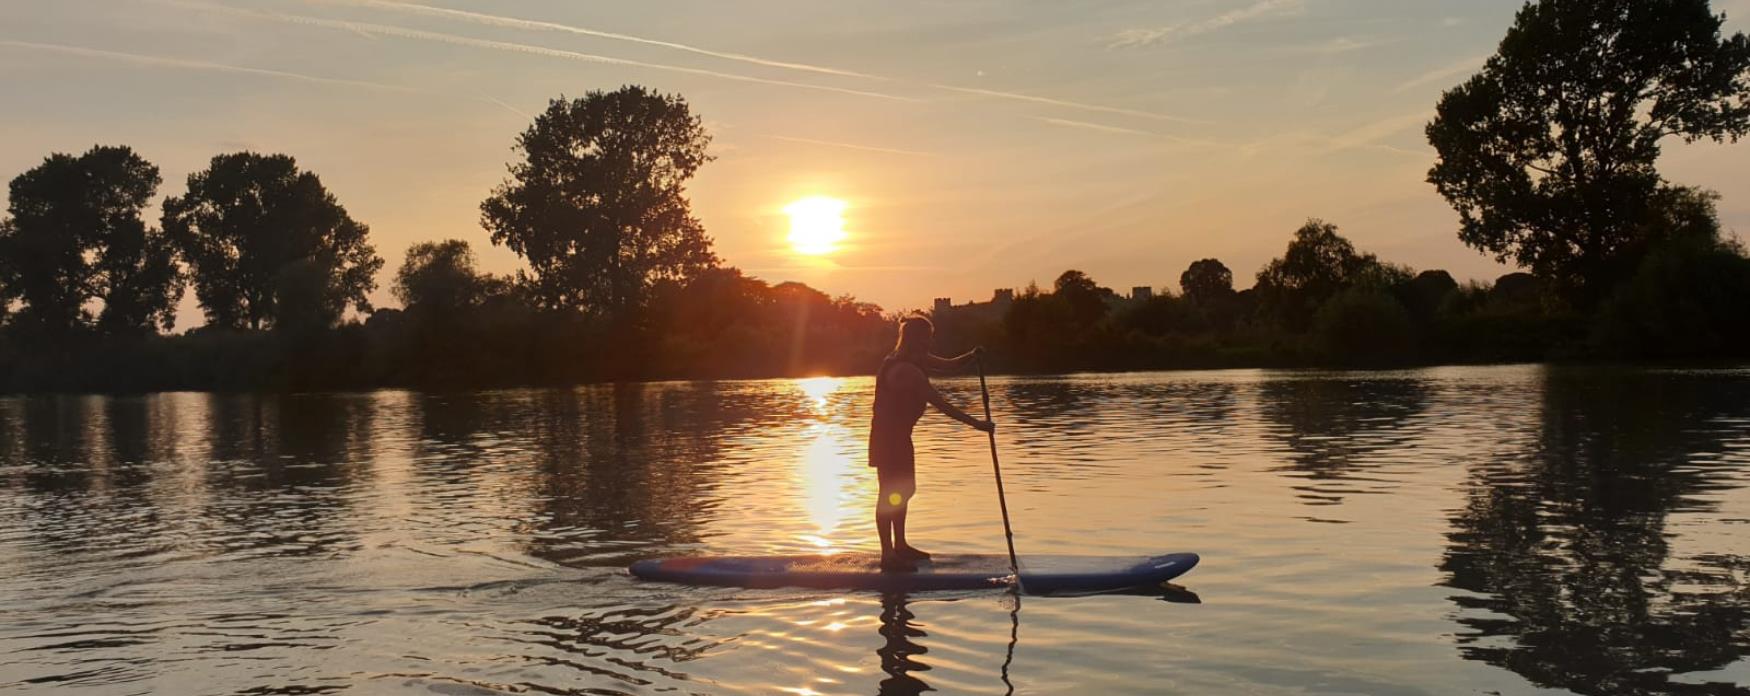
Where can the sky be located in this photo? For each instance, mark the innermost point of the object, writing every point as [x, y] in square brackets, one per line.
[977, 144]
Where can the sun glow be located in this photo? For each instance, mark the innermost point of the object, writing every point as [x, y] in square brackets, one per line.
[817, 225]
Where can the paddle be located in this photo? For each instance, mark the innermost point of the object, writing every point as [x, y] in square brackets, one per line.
[1002, 500]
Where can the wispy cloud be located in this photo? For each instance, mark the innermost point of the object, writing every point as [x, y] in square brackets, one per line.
[1441, 74]
[539, 25]
[1264, 9]
[187, 64]
[847, 146]
[422, 35]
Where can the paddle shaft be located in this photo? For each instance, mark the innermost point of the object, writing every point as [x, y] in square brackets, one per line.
[1002, 500]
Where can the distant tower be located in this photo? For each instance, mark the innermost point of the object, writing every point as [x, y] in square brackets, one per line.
[1003, 297]
[943, 304]
[1142, 293]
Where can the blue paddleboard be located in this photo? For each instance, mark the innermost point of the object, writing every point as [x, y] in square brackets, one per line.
[855, 571]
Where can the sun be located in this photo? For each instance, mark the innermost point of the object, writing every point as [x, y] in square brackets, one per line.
[817, 225]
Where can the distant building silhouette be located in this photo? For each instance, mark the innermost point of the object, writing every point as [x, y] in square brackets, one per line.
[993, 310]
[1142, 293]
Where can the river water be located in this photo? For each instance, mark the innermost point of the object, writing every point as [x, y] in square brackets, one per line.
[1494, 530]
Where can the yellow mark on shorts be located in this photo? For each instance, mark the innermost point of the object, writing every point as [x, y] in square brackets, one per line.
[894, 499]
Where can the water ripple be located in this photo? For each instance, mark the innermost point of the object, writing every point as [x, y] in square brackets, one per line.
[1508, 529]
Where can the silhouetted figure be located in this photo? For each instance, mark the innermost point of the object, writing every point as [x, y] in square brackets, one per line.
[902, 388]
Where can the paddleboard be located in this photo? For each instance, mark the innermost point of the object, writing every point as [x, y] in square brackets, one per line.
[855, 571]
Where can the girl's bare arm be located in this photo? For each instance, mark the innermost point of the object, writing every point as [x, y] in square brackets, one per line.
[941, 365]
[935, 398]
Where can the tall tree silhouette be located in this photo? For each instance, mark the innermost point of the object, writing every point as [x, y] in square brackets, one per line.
[76, 235]
[255, 228]
[1548, 154]
[597, 205]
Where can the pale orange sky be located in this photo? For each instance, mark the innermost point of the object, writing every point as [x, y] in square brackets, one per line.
[979, 143]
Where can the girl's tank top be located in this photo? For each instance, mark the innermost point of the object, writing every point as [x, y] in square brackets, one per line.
[896, 410]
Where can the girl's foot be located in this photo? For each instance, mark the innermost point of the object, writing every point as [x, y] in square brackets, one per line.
[910, 553]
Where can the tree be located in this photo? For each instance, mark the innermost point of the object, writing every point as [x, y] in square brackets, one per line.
[143, 284]
[1207, 281]
[8, 293]
[305, 299]
[1086, 299]
[1424, 295]
[1037, 328]
[597, 205]
[1162, 315]
[1548, 154]
[1318, 264]
[438, 278]
[1517, 290]
[76, 234]
[1687, 297]
[1363, 325]
[724, 323]
[255, 227]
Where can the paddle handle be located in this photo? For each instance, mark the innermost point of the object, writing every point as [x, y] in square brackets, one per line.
[1002, 500]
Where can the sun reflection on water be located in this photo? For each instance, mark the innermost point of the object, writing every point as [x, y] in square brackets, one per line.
[817, 389]
[823, 477]
[827, 481]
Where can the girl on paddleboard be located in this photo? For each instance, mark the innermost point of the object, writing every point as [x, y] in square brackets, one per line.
[902, 389]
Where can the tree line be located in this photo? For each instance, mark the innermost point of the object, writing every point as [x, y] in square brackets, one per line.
[621, 281]
[1550, 163]
[1323, 303]
[1549, 155]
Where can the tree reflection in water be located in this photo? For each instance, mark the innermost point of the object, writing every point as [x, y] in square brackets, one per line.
[1565, 554]
[1334, 428]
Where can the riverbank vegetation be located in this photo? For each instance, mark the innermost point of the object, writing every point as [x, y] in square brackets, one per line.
[1550, 164]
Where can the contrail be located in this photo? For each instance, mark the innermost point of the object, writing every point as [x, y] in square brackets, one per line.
[186, 64]
[1447, 72]
[1144, 37]
[1128, 131]
[1371, 133]
[515, 22]
[407, 33]
[1103, 128]
[537, 25]
[1066, 104]
[848, 146]
[507, 107]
